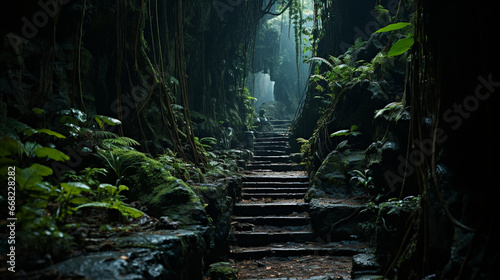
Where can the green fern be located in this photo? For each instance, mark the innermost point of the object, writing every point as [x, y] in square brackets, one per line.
[120, 142]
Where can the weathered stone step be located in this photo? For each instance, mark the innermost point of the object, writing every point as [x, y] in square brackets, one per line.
[269, 148]
[279, 127]
[272, 195]
[267, 137]
[284, 158]
[350, 248]
[287, 185]
[280, 121]
[262, 209]
[265, 238]
[269, 152]
[276, 178]
[274, 190]
[270, 143]
[276, 166]
[274, 220]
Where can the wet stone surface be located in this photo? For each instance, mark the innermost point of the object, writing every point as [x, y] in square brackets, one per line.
[273, 228]
[295, 267]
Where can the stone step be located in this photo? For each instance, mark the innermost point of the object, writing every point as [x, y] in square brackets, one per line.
[273, 208]
[286, 185]
[269, 152]
[291, 177]
[271, 143]
[264, 238]
[269, 148]
[276, 166]
[272, 136]
[349, 248]
[289, 122]
[272, 195]
[274, 190]
[274, 220]
[285, 158]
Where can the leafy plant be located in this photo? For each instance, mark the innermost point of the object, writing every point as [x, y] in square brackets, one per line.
[69, 197]
[93, 130]
[88, 175]
[353, 131]
[305, 145]
[109, 197]
[402, 45]
[362, 179]
[39, 212]
[114, 163]
[391, 112]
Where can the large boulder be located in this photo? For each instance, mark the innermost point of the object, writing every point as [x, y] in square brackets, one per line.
[163, 194]
[160, 255]
[337, 219]
[333, 176]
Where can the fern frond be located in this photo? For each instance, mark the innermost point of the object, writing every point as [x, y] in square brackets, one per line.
[323, 61]
[121, 141]
[95, 204]
[103, 134]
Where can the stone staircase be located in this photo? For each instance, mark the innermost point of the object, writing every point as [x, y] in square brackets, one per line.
[272, 219]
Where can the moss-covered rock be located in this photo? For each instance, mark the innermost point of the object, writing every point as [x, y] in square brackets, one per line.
[333, 177]
[223, 271]
[164, 194]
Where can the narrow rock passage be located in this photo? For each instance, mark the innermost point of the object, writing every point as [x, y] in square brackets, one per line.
[271, 223]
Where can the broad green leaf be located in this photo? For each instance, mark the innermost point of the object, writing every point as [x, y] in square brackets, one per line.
[122, 188]
[52, 153]
[101, 120]
[9, 145]
[31, 176]
[75, 187]
[130, 211]
[394, 26]
[38, 111]
[108, 187]
[50, 132]
[394, 109]
[401, 46]
[79, 200]
[344, 132]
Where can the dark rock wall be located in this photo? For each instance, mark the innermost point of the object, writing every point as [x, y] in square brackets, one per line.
[443, 147]
[466, 64]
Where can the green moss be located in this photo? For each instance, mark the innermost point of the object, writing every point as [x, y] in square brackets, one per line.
[223, 271]
[164, 194]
